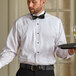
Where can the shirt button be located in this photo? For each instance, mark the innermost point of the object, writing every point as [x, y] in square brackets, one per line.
[38, 52]
[37, 23]
[38, 33]
[37, 42]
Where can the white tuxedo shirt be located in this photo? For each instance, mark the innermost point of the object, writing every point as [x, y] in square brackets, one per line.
[38, 40]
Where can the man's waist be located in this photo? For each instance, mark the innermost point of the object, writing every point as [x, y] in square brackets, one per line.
[40, 60]
[36, 67]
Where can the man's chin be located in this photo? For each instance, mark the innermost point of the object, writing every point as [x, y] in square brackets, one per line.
[32, 12]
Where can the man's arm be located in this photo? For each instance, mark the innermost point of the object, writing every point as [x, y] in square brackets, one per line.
[61, 39]
[11, 47]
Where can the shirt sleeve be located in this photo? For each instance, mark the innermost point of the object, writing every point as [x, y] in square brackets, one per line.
[11, 46]
[61, 39]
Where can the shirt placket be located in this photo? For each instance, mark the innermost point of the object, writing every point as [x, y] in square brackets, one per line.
[36, 42]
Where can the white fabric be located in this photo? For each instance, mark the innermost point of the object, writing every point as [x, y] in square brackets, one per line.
[38, 40]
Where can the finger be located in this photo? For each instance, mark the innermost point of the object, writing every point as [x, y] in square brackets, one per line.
[74, 49]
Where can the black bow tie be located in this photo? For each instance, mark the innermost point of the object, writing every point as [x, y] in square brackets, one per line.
[40, 17]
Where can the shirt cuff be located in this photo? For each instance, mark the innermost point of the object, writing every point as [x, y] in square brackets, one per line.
[1, 65]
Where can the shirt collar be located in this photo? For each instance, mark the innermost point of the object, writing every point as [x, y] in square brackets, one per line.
[39, 14]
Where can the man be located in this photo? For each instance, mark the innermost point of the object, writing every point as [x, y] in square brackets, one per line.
[37, 34]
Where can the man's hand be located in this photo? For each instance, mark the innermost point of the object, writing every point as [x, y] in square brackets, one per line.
[71, 51]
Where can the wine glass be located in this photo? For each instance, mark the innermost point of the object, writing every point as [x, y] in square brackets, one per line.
[74, 31]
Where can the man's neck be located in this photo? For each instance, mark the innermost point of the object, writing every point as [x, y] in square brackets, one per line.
[39, 12]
